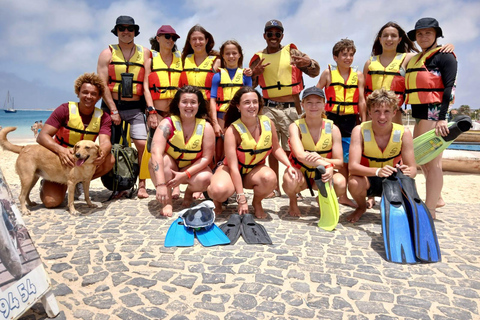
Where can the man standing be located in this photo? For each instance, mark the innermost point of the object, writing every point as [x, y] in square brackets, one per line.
[278, 70]
[70, 123]
[122, 68]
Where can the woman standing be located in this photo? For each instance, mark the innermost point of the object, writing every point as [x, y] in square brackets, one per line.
[162, 74]
[182, 149]
[249, 139]
[200, 62]
[225, 84]
[430, 87]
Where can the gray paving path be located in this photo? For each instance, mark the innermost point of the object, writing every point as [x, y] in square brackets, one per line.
[111, 264]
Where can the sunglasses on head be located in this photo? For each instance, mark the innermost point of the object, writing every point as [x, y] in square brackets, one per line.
[168, 36]
[129, 28]
[277, 34]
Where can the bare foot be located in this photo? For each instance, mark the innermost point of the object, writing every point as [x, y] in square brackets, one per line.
[370, 202]
[167, 210]
[142, 193]
[258, 209]
[432, 213]
[176, 193]
[198, 196]
[356, 215]
[347, 202]
[218, 208]
[440, 203]
[293, 210]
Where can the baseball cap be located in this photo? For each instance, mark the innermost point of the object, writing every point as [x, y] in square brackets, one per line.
[313, 90]
[273, 24]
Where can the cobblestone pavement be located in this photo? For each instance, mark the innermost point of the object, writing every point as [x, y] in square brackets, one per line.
[110, 263]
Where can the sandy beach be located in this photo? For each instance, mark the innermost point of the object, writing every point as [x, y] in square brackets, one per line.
[110, 263]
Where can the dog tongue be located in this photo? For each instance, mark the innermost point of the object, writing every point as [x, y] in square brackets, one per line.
[80, 162]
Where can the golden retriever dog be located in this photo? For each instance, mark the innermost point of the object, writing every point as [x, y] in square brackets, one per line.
[35, 161]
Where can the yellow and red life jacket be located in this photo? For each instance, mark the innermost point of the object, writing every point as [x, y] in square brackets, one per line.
[228, 87]
[280, 78]
[388, 77]
[199, 76]
[373, 156]
[185, 153]
[163, 80]
[75, 130]
[118, 65]
[342, 96]
[423, 86]
[323, 146]
[250, 152]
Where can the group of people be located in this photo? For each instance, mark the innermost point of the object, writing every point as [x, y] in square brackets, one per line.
[196, 119]
[36, 128]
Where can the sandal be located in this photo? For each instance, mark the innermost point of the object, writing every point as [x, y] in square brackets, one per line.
[274, 194]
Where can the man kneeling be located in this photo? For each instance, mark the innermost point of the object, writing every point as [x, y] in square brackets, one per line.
[378, 148]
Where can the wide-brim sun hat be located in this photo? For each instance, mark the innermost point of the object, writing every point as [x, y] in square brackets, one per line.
[126, 20]
[425, 23]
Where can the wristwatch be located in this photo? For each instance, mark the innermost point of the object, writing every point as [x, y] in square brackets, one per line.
[151, 110]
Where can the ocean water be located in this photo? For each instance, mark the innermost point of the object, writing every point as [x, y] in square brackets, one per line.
[23, 120]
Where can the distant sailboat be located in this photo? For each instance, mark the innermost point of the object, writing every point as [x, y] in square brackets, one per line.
[9, 104]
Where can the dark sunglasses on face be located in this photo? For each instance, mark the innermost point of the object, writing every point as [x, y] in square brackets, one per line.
[129, 28]
[277, 34]
[168, 36]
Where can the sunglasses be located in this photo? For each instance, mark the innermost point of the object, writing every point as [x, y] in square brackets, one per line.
[277, 34]
[129, 28]
[168, 36]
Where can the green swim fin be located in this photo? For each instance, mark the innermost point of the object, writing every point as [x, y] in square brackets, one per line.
[327, 202]
[178, 235]
[428, 146]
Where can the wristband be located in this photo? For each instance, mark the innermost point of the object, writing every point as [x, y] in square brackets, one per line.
[330, 165]
[238, 198]
[151, 110]
[188, 174]
[378, 170]
[161, 184]
[114, 112]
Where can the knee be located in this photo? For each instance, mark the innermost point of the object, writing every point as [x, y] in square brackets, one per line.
[204, 179]
[268, 178]
[218, 191]
[355, 184]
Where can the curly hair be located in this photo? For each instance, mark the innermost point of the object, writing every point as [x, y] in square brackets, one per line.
[92, 79]
[405, 45]
[382, 96]
[222, 51]
[154, 45]
[187, 48]
[233, 113]
[342, 45]
[202, 112]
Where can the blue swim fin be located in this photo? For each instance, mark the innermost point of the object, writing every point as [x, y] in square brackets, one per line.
[211, 236]
[396, 231]
[425, 238]
[178, 235]
[327, 202]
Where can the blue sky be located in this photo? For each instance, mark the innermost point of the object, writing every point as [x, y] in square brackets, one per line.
[46, 44]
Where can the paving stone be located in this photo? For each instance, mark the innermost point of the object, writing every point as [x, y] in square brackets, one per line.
[156, 297]
[370, 307]
[244, 301]
[263, 278]
[252, 288]
[316, 302]
[246, 269]
[153, 312]
[186, 281]
[465, 292]
[329, 290]
[277, 308]
[119, 278]
[94, 278]
[164, 275]
[59, 267]
[301, 313]
[411, 312]
[126, 314]
[131, 300]
[217, 307]
[301, 287]
[414, 302]
[340, 304]
[197, 268]
[213, 278]
[381, 297]
[103, 300]
[466, 304]
[294, 274]
[113, 257]
[201, 289]
[83, 314]
[270, 292]
[237, 315]
[101, 288]
[141, 282]
[320, 277]
[62, 289]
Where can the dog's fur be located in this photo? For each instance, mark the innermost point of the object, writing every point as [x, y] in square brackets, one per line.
[35, 161]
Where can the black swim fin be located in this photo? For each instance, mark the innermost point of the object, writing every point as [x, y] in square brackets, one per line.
[252, 232]
[425, 238]
[232, 228]
[397, 234]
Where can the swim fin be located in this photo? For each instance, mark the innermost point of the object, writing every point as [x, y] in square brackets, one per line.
[327, 202]
[425, 238]
[178, 235]
[428, 146]
[211, 236]
[396, 231]
[252, 232]
[232, 228]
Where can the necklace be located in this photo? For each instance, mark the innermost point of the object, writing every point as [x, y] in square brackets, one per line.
[129, 55]
[254, 129]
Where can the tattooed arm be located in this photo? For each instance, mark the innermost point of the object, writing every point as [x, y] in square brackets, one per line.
[157, 173]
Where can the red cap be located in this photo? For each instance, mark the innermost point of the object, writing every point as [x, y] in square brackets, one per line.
[166, 29]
